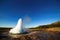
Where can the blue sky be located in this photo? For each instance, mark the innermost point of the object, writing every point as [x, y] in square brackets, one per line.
[39, 12]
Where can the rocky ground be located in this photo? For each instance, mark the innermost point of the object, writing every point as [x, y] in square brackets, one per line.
[32, 35]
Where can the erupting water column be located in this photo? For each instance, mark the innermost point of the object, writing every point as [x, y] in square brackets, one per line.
[18, 28]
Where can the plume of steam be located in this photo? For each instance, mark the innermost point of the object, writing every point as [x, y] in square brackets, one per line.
[26, 20]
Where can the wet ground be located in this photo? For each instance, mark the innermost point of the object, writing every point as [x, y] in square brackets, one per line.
[32, 35]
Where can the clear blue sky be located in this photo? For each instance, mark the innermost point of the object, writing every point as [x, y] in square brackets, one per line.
[40, 12]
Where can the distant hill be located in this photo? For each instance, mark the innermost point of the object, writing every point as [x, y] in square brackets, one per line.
[55, 24]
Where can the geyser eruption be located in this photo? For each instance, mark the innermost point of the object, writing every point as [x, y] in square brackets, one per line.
[18, 28]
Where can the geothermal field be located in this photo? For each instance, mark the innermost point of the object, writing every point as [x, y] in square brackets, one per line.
[44, 32]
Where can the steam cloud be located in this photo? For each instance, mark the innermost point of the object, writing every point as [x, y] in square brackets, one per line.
[26, 20]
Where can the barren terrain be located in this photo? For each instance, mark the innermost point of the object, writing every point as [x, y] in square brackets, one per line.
[32, 35]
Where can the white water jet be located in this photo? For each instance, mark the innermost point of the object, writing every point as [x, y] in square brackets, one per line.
[18, 28]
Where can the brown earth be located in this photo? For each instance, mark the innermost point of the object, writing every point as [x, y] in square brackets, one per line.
[31, 35]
